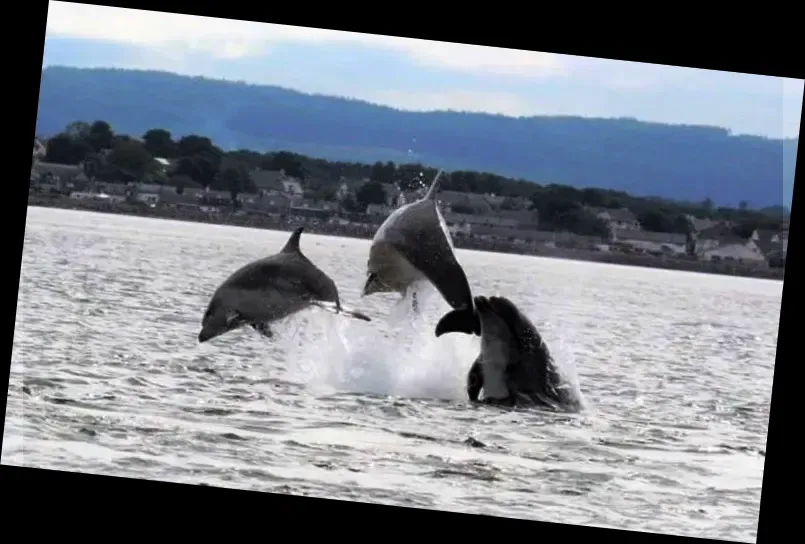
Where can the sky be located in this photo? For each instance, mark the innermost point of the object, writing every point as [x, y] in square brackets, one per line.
[420, 74]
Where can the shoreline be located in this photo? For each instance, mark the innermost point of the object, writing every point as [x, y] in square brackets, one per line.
[366, 233]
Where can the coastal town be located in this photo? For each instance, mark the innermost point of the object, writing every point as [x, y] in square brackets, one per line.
[274, 198]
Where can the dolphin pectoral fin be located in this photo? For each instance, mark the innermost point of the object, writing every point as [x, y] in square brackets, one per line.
[340, 310]
[464, 320]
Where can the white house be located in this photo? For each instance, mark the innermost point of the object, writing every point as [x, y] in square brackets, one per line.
[616, 218]
[654, 242]
[292, 187]
[735, 249]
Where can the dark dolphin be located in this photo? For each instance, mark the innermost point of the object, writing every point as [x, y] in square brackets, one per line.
[515, 366]
[270, 289]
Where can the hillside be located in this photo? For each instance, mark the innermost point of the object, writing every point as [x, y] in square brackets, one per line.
[678, 162]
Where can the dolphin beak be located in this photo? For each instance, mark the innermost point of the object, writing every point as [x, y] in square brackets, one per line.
[371, 286]
[205, 335]
[481, 303]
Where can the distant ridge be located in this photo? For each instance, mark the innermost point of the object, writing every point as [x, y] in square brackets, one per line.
[672, 161]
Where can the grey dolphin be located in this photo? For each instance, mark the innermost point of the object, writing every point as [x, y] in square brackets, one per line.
[412, 245]
[515, 366]
[270, 289]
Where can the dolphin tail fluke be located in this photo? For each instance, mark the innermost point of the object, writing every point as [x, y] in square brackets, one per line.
[341, 310]
[434, 187]
[464, 320]
[292, 245]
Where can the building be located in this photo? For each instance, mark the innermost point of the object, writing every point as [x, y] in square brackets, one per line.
[58, 175]
[616, 218]
[734, 249]
[463, 203]
[651, 242]
[392, 192]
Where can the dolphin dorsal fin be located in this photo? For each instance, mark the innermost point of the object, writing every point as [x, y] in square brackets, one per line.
[292, 245]
[434, 187]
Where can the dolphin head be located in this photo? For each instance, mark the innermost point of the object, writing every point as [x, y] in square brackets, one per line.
[500, 321]
[219, 318]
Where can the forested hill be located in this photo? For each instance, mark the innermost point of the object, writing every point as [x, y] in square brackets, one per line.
[650, 159]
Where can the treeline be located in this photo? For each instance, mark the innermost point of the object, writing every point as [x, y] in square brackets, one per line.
[642, 158]
[198, 162]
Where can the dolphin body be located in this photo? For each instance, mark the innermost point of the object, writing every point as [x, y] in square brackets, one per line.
[413, 245]
[515, 367]
[270, 289]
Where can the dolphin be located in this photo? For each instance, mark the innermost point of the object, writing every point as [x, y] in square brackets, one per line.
[270, 289]
[413, 245]
[515, 366]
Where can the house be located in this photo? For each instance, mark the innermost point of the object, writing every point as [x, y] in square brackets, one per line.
[148, 198]
[379, 210]
[471, 221]
[165, 166]
[699, 224]
[276, 180]
[267, 180]
[719, 242]
[515, 203]
[39, 151]
[118, 192]
[464, 203]
[734, 248]
[268, 204]
[292, 187]
[773, 244]
[712, 236]
[185, 199]
[524, 219]
[60, 175]
[392, 192]
[651, 242]
[616, 218]
[346, 187]
[305, 212]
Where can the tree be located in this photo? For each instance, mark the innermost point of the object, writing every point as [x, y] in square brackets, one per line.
[234, 180]
[65, 149]
[182, 182]
[370, 193]
[286, 161]
[78, 130]
[593, 197]
[100, 136]
[199, 159]
[656, 221]
[159, 143]
[557, 208]
[384, 173]
[132, 159]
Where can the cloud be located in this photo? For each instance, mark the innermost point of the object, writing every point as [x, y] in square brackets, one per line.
[420, 74]
[227, 38]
